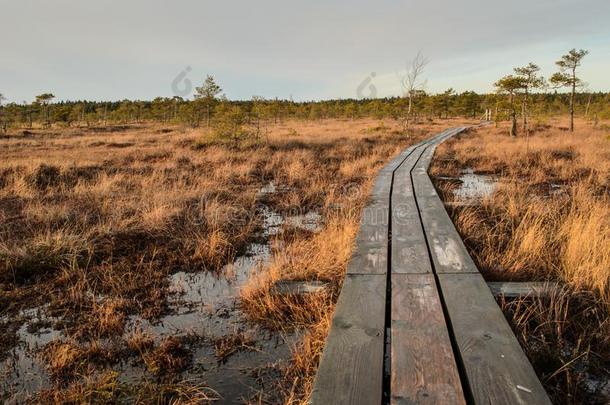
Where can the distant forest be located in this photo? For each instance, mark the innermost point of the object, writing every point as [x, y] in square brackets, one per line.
[197, 112]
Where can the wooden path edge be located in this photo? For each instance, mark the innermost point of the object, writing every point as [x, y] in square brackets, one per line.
[415, 323]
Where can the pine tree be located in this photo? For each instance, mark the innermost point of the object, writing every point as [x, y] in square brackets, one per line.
[44, 100]
[206, 94]
[511, 84]
[529, 76]
[566, 77]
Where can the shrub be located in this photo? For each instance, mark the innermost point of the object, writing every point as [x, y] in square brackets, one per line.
[229, 124]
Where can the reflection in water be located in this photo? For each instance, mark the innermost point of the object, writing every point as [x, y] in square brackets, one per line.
[474, 186]
[21, 372]
[203, 304]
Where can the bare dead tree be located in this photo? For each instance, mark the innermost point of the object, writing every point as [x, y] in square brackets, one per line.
[588, 106]
[2, 118]
[412, 82]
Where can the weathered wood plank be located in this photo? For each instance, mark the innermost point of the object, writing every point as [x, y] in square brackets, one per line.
[374, 227]
[290, 287]
[512, 289]
[409, 252]
[381, 188]
[497, 370]
[351, 368]
[427, 156]
[369, 258]
[371, 248]
[423, 368]
[450, 253]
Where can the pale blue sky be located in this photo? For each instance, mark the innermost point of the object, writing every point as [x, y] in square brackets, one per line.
[111, 49]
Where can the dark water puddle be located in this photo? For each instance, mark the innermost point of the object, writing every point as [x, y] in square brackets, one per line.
[202, 304]
[474, 187]
[21, 373]
[310, 221]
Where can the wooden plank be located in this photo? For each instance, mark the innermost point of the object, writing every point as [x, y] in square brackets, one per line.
[369, 258]
[423, 369]
[512, 289]
[427, 156]
[374, 227]
[397, 161]
[409, 251]
[370, 251]
[422, 183]
[351, 367]
[450, 253]
[290, 287]
[381, 188]
[497, 370]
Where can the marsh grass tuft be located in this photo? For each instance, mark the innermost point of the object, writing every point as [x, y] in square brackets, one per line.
[228, 345]
[170, 356]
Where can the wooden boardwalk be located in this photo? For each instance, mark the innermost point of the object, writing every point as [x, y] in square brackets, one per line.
[415, 322]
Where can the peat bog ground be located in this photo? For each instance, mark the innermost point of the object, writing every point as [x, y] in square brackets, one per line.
[139, 262]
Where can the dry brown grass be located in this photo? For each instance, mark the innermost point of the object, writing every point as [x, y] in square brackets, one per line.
[79, 219]
[228, 345]
[565, 336]
[340, 196]
[100, 389]
[67, 360]
[93, 220]
[549, 216]
[306, 357]
[105, 388]
[549, 219]
[140, 342]
[320, 257]
[170, 356]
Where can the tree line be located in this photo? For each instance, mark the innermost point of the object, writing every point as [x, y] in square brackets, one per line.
[190, 112]
[523, 94]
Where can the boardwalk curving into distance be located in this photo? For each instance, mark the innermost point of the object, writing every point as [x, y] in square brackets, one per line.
[415, 322]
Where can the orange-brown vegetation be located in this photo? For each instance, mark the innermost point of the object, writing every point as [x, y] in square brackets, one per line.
[94, 220]
[548, 219]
